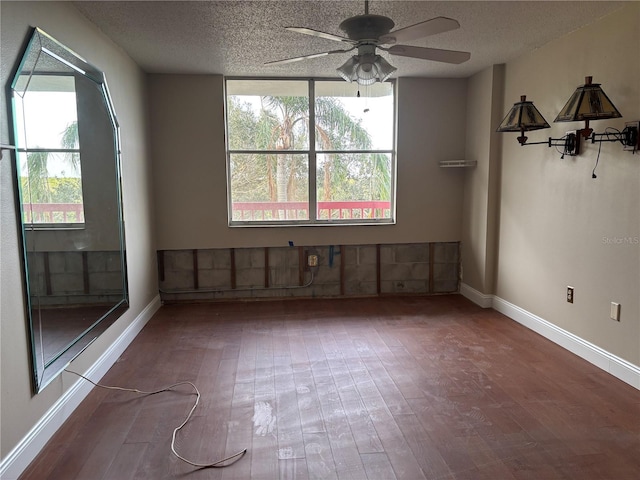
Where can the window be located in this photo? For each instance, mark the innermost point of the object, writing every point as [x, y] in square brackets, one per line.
[310, 152]
[49, 153]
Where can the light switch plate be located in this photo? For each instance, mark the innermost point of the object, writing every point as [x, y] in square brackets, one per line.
[615, 311]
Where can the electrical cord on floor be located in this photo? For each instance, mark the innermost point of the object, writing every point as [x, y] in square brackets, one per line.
[217, 464]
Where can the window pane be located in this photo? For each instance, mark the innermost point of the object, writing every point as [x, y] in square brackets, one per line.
[269, 187]
[51, 187]
[268, 114]
[354, 186]
[346, 122]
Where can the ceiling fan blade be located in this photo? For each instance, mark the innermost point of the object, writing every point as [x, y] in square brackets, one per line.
[306, 57]
[318, 33]
[420, 30]
[434, 54]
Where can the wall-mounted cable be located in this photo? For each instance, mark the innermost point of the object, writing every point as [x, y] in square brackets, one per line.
[217, 464]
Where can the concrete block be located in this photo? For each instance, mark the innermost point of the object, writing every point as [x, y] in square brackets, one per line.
[105, 282]
[56, 262]
[360, 273]
[404, 286]
[445, 286]
[205, 259]
[325, 290]
[249, 257]
[326, 274]
[387, 254]
[69, 262]
[414, 286]
[283, 257]
[445, 277]
[37, 285]
[112, 260]
[446, 252]
[66, 283]
[412, 253]
[282, 276]
[360, 255]
[97, 261]
[360, 288]
[419, 271]
[218, 278]
[395, 271]
[445, 271]
[178, 280]
[221, 257]
[178, 260]
[249, 277]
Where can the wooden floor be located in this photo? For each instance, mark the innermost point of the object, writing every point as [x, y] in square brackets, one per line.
[382, 388]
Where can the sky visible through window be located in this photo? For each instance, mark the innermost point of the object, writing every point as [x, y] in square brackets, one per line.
[42, 119]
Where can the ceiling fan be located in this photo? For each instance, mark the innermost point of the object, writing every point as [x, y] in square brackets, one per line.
[369, 32]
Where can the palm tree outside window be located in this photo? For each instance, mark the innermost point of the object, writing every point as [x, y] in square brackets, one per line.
[49, 160]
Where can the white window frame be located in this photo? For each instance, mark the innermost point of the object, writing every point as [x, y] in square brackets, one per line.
[312, 154]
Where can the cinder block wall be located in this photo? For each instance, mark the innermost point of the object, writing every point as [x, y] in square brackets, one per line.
[75, 278]
[342, 271]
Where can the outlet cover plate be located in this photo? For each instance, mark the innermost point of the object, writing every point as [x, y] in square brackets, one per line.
[570, 294]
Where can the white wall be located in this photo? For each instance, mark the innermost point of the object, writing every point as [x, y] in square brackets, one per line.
[190, 169]
[482, 183]
[558, 226]
[20, 409]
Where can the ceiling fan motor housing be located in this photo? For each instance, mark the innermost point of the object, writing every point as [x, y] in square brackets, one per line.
[366, 27]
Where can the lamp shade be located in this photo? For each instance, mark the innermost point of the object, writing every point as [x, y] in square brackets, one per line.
[523, 117]
[588, 102]
[366, 69]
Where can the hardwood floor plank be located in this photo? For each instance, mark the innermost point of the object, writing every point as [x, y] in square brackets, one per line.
[126, 462]
[390, 387]
[377, 466]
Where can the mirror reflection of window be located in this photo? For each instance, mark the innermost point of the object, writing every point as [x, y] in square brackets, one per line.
[50, 169]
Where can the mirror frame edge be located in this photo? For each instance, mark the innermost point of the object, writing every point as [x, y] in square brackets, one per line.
[39, 380]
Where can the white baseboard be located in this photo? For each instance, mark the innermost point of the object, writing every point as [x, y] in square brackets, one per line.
[616, 366]
[23, 454]
[481, 299]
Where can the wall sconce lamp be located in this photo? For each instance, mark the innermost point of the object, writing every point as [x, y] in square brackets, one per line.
[588, 102]
[525, 117]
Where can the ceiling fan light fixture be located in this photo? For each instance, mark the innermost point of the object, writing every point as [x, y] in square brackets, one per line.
[366, 69]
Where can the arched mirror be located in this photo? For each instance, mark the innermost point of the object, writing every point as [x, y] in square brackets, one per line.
[70, 209]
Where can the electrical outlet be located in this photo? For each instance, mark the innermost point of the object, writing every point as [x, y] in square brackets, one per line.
[570, 294]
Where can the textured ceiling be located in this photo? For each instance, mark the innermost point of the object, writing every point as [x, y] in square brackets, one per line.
[235, 38]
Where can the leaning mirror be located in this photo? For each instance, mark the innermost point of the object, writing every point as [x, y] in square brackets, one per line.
[70, 209]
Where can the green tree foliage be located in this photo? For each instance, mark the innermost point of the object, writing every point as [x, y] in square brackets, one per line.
[39, 187]
[55, 190]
